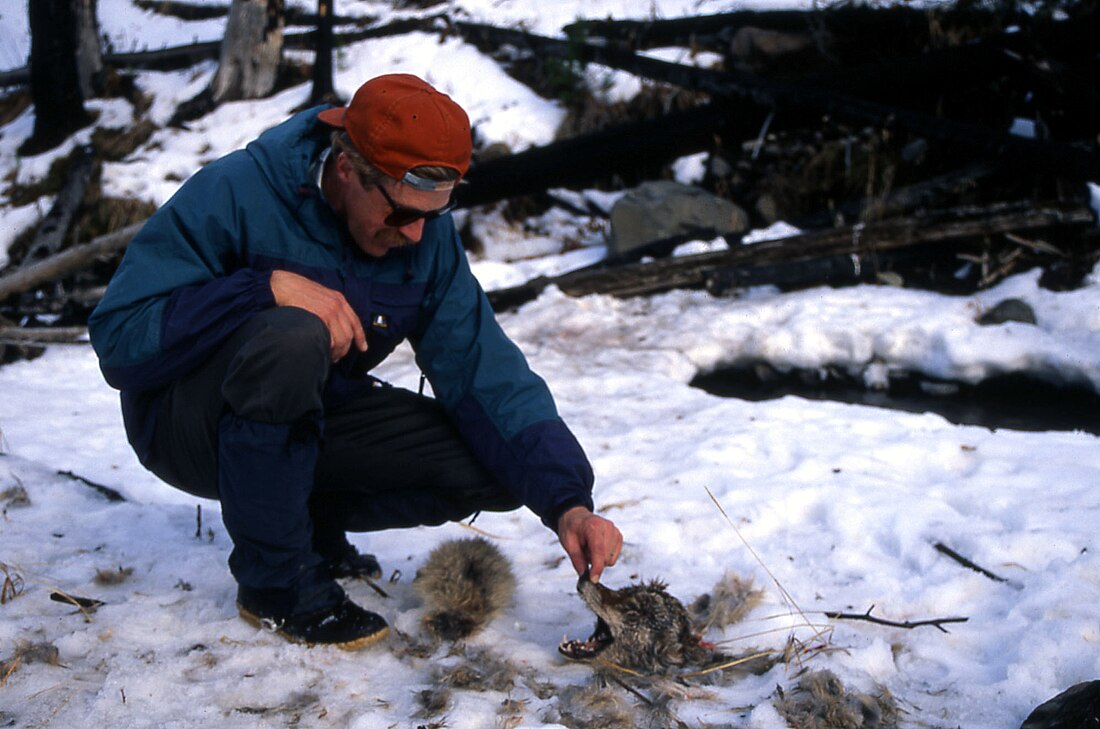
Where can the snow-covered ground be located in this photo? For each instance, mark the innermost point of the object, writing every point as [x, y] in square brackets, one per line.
[841, 505]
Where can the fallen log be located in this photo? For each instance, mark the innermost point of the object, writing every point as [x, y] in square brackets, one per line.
[307, 40]
[43, 335]
[66, 262]
[293, 16]
[851, 33]
[718, 269]
[54, 228]
[860, 28]
[639, 147]
[176, 57]
[934, 192]
[1077, 162]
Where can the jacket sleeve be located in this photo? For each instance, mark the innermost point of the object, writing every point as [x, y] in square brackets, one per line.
[180, 290]
[504, 410]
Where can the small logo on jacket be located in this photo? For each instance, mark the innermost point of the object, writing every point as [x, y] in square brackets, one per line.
[380, 321]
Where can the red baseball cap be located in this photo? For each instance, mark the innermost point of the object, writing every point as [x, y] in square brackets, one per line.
[398, 122]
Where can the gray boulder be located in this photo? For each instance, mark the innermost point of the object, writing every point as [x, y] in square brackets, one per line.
[667, 211]
[1008, 310]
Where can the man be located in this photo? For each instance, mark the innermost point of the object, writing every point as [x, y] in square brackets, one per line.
[242, 323]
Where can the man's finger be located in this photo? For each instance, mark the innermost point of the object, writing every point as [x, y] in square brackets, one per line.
[576, 555]
[358, 332]
[596, 571]
[580, 564]
[341, 338]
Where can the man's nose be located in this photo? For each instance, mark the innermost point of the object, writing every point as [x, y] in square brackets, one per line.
[413, 231]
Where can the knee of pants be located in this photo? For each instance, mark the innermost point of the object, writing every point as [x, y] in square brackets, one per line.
[279, 373]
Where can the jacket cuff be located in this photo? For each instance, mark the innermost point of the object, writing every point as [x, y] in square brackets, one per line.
[265, 297]
[552, 517]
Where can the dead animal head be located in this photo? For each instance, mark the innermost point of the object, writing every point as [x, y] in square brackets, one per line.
[640, 627]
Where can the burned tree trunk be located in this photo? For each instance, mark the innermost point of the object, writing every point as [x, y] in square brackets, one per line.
[89, 58]
[619, 149]
[66, 262]
[251, 54]
[251, 51]
[835, 255]
[52, 233]
[55, 81]
[324, 91]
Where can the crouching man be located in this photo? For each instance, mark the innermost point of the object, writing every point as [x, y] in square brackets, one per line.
[243, 322]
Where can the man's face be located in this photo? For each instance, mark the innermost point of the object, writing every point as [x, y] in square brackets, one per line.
[365, 209]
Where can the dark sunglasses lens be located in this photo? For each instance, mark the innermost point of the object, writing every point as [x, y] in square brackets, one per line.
[401, 216]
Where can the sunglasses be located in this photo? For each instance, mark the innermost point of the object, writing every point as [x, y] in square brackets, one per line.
[400, 216]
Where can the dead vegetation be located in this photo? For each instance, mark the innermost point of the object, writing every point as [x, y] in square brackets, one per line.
[107, 577]
[12, 585]
[26, 653]
[821, 701]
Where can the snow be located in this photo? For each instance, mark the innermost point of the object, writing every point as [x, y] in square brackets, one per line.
[840, 504]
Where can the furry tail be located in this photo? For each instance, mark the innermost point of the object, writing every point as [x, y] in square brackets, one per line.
[464, 584]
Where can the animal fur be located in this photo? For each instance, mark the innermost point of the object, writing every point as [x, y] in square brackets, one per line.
[464, 584]
[728, 603]
[820, 701]
[478, 670]
[591, 707]
[641, 627]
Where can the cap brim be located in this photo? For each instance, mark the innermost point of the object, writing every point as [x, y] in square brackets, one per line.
[333, 117]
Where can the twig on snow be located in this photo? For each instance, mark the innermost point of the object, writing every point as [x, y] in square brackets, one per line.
[944, 549]
[937, 623]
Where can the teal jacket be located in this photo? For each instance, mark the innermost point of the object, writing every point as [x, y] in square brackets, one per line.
[202, 265]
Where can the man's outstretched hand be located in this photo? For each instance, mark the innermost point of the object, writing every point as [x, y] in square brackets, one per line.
[591, 541]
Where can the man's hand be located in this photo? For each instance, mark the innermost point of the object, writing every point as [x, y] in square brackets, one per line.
[330, 306]
[591, 541]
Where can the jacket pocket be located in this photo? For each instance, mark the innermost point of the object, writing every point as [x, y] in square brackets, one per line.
[393, 310]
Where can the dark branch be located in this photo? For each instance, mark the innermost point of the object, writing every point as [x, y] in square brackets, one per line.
[944, 549]
[106, 491]
[937, 623]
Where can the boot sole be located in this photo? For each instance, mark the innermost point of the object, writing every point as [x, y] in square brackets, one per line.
[351, 645]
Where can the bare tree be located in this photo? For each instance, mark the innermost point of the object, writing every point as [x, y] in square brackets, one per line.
[55, 79]
[251, 55]
[251, 51]
[89, 56]
[324, 91]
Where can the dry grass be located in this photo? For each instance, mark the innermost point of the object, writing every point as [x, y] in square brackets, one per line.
[27, 652]
[13, 584]
[113, 577]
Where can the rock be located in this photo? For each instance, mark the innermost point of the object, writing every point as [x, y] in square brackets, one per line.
[665, 210]
[1078, 707]
[1008, 310]
[758, 49]
[496, 150]
[767, 208]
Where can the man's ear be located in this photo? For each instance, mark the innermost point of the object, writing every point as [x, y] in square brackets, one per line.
[344, 168]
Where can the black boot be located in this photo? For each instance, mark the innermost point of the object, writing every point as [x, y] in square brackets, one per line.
[344, 625]
[354, 565]
[330, 541]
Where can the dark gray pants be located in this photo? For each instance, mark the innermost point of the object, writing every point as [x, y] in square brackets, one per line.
[293, 473]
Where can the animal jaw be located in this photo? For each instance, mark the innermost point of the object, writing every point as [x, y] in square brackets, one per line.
[640, 627]
[586, 650]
